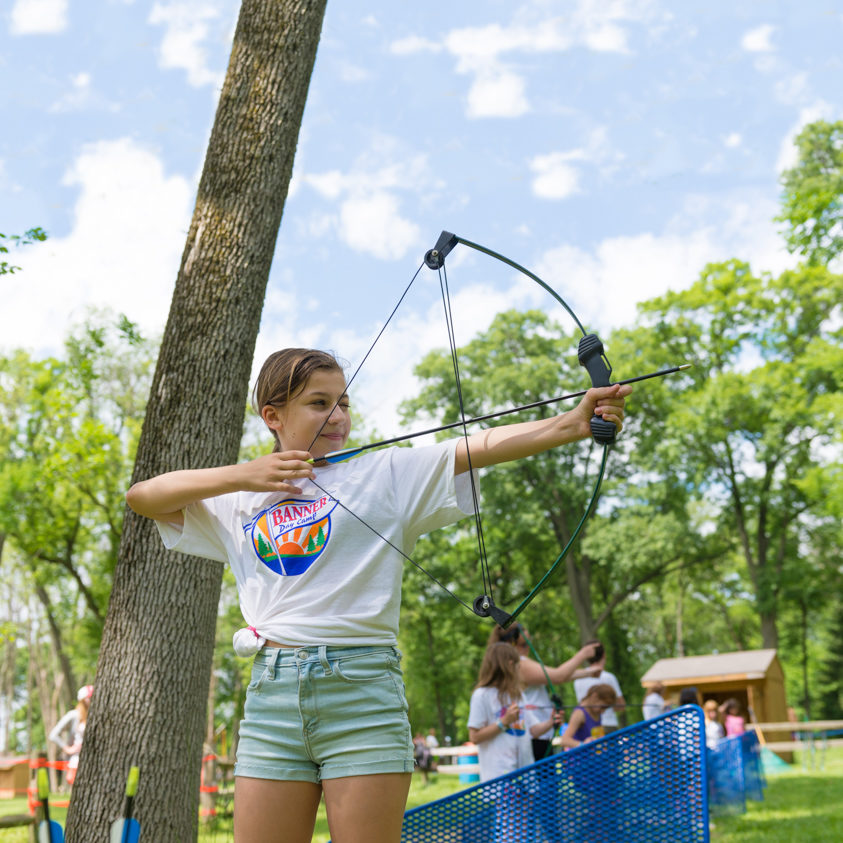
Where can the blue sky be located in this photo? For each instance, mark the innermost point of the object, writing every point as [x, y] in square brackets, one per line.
[612, 146]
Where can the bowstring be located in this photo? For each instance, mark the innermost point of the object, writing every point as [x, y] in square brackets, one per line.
[478, 521]
[397, 549]
[366, 355]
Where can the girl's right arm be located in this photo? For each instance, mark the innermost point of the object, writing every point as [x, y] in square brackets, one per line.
[568, 739]
[485, 733]
[163, 498]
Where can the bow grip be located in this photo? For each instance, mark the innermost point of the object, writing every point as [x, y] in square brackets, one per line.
[591, 356]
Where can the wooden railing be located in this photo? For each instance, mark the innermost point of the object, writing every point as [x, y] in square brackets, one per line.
[455, 752]
[817, 733]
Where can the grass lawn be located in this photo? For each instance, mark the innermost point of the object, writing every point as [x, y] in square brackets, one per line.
[799, 807]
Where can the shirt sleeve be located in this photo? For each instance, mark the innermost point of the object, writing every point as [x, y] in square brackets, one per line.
[56, 735]
[479, 714]
[200, 535]
[426, 489]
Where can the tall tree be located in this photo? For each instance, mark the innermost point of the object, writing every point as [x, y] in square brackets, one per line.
[812, 201]
[154, 666]
[753, 425]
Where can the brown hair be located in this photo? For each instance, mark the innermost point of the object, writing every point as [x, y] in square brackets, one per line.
[514, 635]
[285, 374]
[498, 670]
[602, 692]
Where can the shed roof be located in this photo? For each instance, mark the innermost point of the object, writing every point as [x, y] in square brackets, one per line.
[746, 664]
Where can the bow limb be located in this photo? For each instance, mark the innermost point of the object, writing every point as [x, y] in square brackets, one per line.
[592, 357]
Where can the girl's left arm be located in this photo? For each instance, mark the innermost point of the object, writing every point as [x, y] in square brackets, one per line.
[514, 441]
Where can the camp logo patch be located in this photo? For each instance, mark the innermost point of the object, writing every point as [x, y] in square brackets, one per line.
[291, 535]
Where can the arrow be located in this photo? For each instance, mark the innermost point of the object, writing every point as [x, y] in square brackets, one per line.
[126, 829]
[339, 456]
[49, 831]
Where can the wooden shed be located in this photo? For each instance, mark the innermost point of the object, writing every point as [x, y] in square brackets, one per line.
[753, 677]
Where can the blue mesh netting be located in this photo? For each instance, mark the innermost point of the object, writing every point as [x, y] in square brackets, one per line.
[644, 783]
[735, 774]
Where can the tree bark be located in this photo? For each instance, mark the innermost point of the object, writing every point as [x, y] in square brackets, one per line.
[154, 666]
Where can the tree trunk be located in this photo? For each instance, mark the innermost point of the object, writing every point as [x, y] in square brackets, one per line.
[155, 660]
[769, 630]
[69, 687]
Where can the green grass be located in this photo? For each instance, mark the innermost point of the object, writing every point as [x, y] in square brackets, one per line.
[799, 807]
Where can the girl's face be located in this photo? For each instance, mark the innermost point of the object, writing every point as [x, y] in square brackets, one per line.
[299, 421]
[595, 707]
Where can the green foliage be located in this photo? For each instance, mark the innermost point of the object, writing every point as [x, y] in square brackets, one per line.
[812, 199]
[31, 236]
[69, 430]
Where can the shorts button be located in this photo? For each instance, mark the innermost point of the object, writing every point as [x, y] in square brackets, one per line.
[302, 654]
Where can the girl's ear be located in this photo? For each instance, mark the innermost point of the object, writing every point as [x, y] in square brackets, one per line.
[271, 417]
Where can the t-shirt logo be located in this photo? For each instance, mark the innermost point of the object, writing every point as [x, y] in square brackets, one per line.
[517, 728]
[291, 535]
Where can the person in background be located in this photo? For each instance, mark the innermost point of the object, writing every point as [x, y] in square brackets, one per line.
[689, 696]
[432, 742]
[495, 721]
[653, 702]
[733, 720]
[537, 677]
[602, 676]
[422, 756]
[72, 726]
[713, 729]
[585, 723]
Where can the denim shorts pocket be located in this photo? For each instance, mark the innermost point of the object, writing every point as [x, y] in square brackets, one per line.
[368, 667]
[259, 674]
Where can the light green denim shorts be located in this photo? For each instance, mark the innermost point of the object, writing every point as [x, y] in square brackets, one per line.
[321, 712]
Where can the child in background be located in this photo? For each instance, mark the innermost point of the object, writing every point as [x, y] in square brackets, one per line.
[713, 728]
[495, 721]
[584, 724]
[734, 722]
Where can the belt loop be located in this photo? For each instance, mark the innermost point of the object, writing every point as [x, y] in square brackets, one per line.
[323, 658]
[273, 662]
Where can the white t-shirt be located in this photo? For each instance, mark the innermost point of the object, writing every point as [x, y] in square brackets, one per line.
[714, 733]
[581, 686]
[538, 708]
[308, 571]
[653, 705]
[506, 751]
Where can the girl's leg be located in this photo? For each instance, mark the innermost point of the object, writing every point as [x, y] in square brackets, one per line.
[267, 811]
[366, 809]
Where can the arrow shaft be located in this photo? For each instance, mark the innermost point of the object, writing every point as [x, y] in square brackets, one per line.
[340, 455]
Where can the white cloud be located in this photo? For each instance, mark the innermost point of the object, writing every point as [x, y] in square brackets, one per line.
[414, 44]
[497, 93]
[732, 140]
[129, 226]
[186, 27]
[759, 40]
[360, 216]
[497, 87]
[80, 95]
[366, 199]
[555, 177]
[38, 17]
[604, 285]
